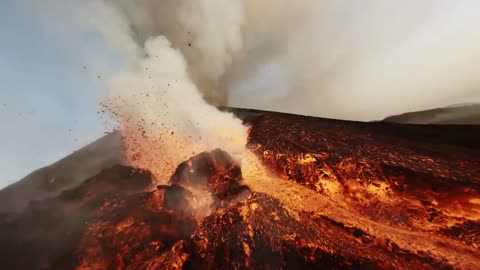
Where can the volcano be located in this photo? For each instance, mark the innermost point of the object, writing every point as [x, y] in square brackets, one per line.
[466, 114]
[312, 194]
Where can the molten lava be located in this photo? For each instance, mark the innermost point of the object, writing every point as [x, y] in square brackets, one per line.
[309, 193]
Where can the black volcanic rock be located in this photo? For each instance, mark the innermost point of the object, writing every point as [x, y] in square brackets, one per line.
[48, 231]
[67, 173]
[215, 171]
[106, 212]
[250, 235]
[455, 115]
[341, 195]
[177, 198]
[205, 182]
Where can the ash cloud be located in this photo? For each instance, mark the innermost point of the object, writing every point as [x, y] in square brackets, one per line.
[359, 60]
[176, 53]
[164, 118]
[208, 33]
[340, 59]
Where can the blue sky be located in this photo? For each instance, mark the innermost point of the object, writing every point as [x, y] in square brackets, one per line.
[51, 57]
[48, 102]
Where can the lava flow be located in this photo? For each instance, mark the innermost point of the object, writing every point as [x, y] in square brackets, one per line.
[308, 194]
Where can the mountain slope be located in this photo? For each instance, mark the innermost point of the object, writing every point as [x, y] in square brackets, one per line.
[456, 115]
[63, 174]
[310, 193]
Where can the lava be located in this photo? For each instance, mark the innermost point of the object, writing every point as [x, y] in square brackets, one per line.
[308, 193]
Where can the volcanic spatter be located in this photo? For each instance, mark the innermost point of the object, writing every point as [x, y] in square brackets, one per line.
[318, 194]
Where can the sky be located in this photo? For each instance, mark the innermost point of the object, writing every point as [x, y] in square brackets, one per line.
[42, 115]
[361, 60]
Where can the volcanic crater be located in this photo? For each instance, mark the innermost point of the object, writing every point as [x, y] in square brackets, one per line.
[309, 194]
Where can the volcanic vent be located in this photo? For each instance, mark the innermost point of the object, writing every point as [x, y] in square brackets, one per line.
[310, 193]
[204, 183]
[113, 221]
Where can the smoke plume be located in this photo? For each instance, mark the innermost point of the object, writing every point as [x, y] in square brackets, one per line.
[206, 32]
[175, 48]
[163, 115]
[340, 59]
[357, 60]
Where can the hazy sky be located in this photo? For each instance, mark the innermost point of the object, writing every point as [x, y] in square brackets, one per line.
[360, 60]
[42, 116]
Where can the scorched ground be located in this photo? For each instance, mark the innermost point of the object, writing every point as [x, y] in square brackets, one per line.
[310, 194]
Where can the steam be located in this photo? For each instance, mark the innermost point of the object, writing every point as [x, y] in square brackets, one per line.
[359, 60]
[163, 114]
[206, 32]
[340, 59]
[172, 46]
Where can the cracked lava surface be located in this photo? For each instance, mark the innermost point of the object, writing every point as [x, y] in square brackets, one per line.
[309, 193]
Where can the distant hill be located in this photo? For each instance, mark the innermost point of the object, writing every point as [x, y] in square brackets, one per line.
[453, 115]
[66, 173]
[104, 153]
[311, 193]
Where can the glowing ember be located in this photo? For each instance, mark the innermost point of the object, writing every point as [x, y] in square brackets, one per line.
[320, 194]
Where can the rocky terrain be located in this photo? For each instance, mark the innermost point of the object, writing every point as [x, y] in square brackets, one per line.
[309, 193]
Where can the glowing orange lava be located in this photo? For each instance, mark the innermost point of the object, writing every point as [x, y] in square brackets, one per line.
[306, 193]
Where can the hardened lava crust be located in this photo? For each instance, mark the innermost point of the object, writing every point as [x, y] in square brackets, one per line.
[311, 193]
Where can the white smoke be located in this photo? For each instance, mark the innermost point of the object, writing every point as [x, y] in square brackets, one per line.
[359, 60]
[208, 33]
[176, 53]
[163, 114]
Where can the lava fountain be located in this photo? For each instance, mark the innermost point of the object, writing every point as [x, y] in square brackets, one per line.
[164, 118]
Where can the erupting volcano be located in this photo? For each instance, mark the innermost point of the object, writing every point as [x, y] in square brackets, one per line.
[309, 193]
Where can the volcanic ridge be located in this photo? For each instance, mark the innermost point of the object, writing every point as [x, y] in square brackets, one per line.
[310, 193]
